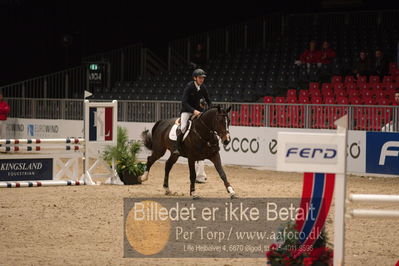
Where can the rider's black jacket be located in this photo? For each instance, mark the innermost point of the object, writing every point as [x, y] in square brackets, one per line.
[192, 96]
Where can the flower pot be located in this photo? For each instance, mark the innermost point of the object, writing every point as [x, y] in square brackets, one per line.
[129, 179]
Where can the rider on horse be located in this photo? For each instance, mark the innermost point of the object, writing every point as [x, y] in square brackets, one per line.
[191, 104]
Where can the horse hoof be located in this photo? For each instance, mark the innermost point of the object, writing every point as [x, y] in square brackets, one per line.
[195, 196]
[200, 180]
[144, 177]
[234, 196]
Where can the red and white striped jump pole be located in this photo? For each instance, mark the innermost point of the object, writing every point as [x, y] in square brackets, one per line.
[40, 141]
[41, 183]
[15, 149]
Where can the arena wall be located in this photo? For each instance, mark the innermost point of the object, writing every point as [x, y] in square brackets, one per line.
[250, 146]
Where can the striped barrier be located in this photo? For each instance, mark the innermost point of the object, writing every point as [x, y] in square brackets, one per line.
[40, 148]
[31, 159]
[20, 145]
[39, 141]
[41, 183]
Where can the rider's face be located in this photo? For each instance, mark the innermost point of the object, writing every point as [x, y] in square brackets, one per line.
[199, 80]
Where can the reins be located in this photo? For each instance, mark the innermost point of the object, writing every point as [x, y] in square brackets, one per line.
[211, 132]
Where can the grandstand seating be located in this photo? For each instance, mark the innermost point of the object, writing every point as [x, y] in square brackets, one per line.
[268, 74]
[250, 74]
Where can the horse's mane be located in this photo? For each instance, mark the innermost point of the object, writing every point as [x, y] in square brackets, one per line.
[213, 108]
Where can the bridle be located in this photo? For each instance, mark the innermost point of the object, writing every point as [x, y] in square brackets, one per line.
[210, 131]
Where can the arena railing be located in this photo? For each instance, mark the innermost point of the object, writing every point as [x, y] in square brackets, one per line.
[63, 84]
[361, 117]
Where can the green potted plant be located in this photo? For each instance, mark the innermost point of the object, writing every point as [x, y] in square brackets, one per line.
[125, 156]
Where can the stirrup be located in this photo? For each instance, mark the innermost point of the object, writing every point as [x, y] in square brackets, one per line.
[176, 148]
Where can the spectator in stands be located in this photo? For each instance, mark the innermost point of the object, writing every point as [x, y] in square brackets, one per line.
[380, 64]
[362, 67]
[396, 98]
[391, 126]
[4, 110]
[396, 103]
[310, 56]
[327, 53]
[198, 58]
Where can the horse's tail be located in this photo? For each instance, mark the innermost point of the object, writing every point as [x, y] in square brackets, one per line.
[147, 136]
[147, 139]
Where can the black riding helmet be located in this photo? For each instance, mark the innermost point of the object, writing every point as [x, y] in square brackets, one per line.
[199, 73]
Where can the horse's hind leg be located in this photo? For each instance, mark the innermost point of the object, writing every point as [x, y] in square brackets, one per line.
[150, 161]
[191, 166]
[218, 165]
[168, 166]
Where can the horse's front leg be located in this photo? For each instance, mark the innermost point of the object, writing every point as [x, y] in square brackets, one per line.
[218, 165]
[168, 166]
[191, 166]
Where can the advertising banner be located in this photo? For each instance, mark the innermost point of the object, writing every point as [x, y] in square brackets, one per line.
[17, 128]
[382, 153]
[311, 152]
[19, 169]
[250, 146]
[247, 147]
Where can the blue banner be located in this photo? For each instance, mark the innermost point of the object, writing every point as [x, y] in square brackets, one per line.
[382, 156]
[26, 169]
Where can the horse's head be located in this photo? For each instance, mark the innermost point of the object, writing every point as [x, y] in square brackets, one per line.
[222, 123]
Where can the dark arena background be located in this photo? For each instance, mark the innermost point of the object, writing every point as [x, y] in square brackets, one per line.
[281, 66]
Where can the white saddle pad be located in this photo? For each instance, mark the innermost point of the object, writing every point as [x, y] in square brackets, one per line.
[172, 132]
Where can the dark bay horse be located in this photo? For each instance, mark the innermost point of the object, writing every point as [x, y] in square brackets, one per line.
[201, 143]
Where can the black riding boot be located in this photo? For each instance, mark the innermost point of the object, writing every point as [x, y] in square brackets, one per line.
[179, 140]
